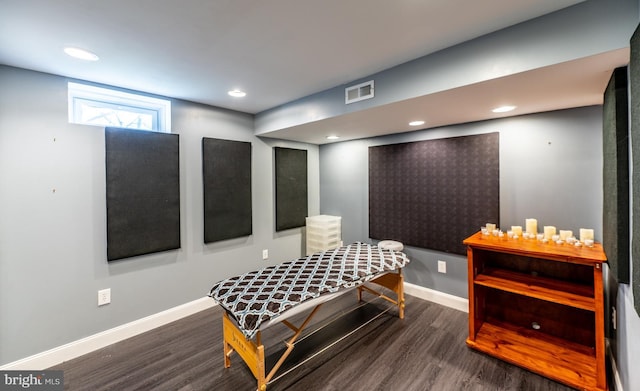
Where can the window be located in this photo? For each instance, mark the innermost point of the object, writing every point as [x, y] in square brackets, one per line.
[98, 106]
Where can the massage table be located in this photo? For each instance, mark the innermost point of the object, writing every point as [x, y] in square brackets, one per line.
[256, 300]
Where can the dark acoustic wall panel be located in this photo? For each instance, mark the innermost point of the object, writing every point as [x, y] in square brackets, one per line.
[634, 85]
[291, 188]
[615, 141]
[226, 173]
[143, 192]
[433, 194]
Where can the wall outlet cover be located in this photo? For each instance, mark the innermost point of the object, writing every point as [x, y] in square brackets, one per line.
[104, 296]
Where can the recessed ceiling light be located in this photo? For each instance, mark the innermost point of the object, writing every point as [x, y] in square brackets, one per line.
[81, 54]
[333, 137]
[237, 93]
[416, 123]
[503, 109]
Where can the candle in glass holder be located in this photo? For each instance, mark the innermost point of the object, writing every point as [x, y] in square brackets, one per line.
[491, 227]
[549, 231]
[516, 229]
[531, 226]
[586, 234]
[565, 234]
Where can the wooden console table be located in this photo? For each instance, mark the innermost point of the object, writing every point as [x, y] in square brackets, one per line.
[539, 306]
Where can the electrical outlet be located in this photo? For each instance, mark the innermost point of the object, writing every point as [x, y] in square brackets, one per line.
[265, 254]
[442, 266]
[104, 296]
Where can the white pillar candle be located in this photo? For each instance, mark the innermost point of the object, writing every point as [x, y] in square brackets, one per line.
[565, 234]
[586, 234]
[549, 231]
[491, 227]
[531, 226]
[516, 229]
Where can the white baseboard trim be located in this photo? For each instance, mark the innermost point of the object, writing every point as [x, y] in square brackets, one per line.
[614, 368]
[445, 299]
[97, 341]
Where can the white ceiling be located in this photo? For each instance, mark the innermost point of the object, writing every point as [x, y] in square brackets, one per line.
[277, 51]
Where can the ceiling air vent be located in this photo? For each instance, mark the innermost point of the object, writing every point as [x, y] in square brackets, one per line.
[358, 92]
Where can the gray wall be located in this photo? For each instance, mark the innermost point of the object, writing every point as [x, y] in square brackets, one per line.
[550, 169]
[53, 245]
[628, 344]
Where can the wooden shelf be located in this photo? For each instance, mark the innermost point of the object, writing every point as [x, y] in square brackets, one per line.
[540, 306]
[569, 363]
[556, 291]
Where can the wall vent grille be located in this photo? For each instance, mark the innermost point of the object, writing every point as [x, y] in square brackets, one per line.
[359, 92]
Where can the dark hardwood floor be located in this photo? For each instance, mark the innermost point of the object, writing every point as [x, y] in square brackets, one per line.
[425, 351]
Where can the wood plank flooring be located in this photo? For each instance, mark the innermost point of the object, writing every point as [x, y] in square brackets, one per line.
[425, 351]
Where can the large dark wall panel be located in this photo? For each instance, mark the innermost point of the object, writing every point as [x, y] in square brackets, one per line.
[634, 85]
[226, 173]
[433, 194]
[615, 141]
[291, 187]
[143, 192]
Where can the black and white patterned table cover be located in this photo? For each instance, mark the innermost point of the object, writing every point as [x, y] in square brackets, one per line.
[255, 297]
